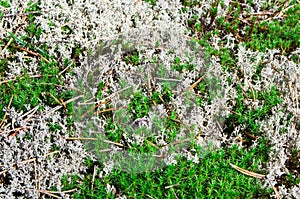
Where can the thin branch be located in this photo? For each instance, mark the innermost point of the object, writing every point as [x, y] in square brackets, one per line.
[52, 193]
[66, 102]
[11, 39]
[249, 173]
[170, 186]
[93, 139]
[48, 193]
[22, 77]
[193, 85]
[93, 179]
[34, 53]
[25, 162]
[3, 119]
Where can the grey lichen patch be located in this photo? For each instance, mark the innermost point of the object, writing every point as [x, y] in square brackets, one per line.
[137, 70]
[139, 81]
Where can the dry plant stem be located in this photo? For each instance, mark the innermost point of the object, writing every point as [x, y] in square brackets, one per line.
[52, 193]
[105, 150]
[37, 180]
[64, 70]
[31, 112]
[246, 172]
[11, 39]
[150, 88]
[287, 81]
[110, 142]
[275, 190]
[149, 84]
[34, 53]
[63, 103]
[57, 100]
[230, 110]
[165, 79]
[78, 138]
[24, 49]
[60, 192]
[107, 141]
[241, 139]
[93, 179]
[110, 109]
[22, 77]
[48, 193]
[219, 126]
[252, 90]
[240, 84]
[24, 162]
[278, 11]
[174, 193]
[17, 131]
[177, 142]
[251, 136]
[170, 186]
[24, 14]
[14, 130]
[61, 86]
[107, 98]
[160, 97]
[4, 117]
[154, 145]
[296, 93]
[193, 85]
[174, 120]
[149, 196]
[60, 106]
[256, 175]
[94, 108]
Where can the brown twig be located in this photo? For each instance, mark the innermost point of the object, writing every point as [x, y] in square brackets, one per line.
[11, 39]
[31, 112]
[93, 139]
[252, 90]
[110, 109]
[22, 77]
[4, 117]
[193, 85]
[16, 131]
[48, 193]
[250, 135]
[57, 85]
[66, 102]
[52, 193]
[159, 95]
[170, 186]
[37, 180]
[93, 179]
[177, 142]
[256, 175]
[33, 53]
[287, 79]
[94, 107]
[79, 138]
[25, 161]
[55, 99]
[246, 172]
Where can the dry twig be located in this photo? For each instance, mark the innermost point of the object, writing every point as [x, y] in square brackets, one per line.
[256, 175]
